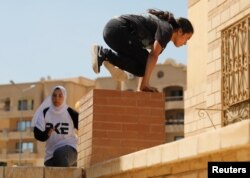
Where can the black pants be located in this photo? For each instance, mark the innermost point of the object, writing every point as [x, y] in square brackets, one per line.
[65, 156]
[128, 53]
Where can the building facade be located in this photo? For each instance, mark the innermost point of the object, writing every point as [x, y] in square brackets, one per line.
[218, 77]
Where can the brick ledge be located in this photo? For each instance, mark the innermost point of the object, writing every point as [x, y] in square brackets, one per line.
[230, 137]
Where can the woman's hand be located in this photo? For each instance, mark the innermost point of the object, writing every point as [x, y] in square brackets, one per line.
[50, 132]
[149, 89]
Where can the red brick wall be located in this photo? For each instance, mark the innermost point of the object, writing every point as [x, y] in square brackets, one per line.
[114, 123]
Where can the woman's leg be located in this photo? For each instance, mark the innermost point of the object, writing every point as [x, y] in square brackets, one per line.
[65, 156]
[128, 52]
[49, 163]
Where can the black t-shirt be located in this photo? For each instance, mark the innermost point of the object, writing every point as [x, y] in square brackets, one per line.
[150, 28]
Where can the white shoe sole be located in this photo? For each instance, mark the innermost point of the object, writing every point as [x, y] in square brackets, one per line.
[94, 51]
[116, 73]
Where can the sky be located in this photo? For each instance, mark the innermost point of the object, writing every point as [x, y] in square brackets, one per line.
[41, 38]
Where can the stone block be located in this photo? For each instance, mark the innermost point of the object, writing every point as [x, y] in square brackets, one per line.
[140, 159]
[235, 134]
[154, 155]
[24, 172]
[188, 147]
[170, 152]
[1, 172]
[208, 142]
[56, 172]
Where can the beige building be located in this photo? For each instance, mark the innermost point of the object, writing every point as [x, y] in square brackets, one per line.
[19, 102]
[218, 77]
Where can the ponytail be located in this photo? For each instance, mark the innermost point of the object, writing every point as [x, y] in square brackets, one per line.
[180, 23]
[165, 15]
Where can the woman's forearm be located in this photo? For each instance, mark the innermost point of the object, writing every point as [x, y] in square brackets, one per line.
[151, 62]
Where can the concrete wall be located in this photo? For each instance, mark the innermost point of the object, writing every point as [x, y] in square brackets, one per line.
[197, 45]
[186, 158]
[40, 172]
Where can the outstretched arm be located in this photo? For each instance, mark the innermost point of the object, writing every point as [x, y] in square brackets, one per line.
[151, 62]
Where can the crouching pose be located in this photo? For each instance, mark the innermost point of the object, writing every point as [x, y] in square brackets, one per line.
[135, 43]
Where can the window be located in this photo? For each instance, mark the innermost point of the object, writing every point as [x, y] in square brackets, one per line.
[180, 115]
[25, 104]
[178, 138]
[173, 93]
[235, 60]
[22, 105]
[23, 125]
[160, 74]
[174, 117]
[25, 147]
[32, 105]
[5, 104]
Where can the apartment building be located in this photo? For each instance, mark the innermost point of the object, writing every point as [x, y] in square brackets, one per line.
[18, 103]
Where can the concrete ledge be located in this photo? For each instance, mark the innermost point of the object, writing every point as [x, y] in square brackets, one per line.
[213, 143]
[1, 172]
[23, 172]
[41, 172]
[53, 172]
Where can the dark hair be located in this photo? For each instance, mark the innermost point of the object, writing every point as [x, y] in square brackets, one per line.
[185, 25]
[180, 23]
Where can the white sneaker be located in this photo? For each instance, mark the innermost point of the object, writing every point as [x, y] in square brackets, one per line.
[97, 57]
[116, 73]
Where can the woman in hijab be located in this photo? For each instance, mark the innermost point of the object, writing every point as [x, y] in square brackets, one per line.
[56, 125]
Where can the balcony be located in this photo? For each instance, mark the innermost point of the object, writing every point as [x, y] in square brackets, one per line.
[175, 104]
[13, 154]
[7, 134]
[174, 128]
[16, 114]
[4, 134]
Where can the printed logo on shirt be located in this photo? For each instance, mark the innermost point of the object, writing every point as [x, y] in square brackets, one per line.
[60, 128]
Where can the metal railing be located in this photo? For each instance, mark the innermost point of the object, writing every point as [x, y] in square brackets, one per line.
[235, 58]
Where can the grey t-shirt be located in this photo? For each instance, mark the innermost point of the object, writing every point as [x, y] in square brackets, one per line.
[150, 28]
